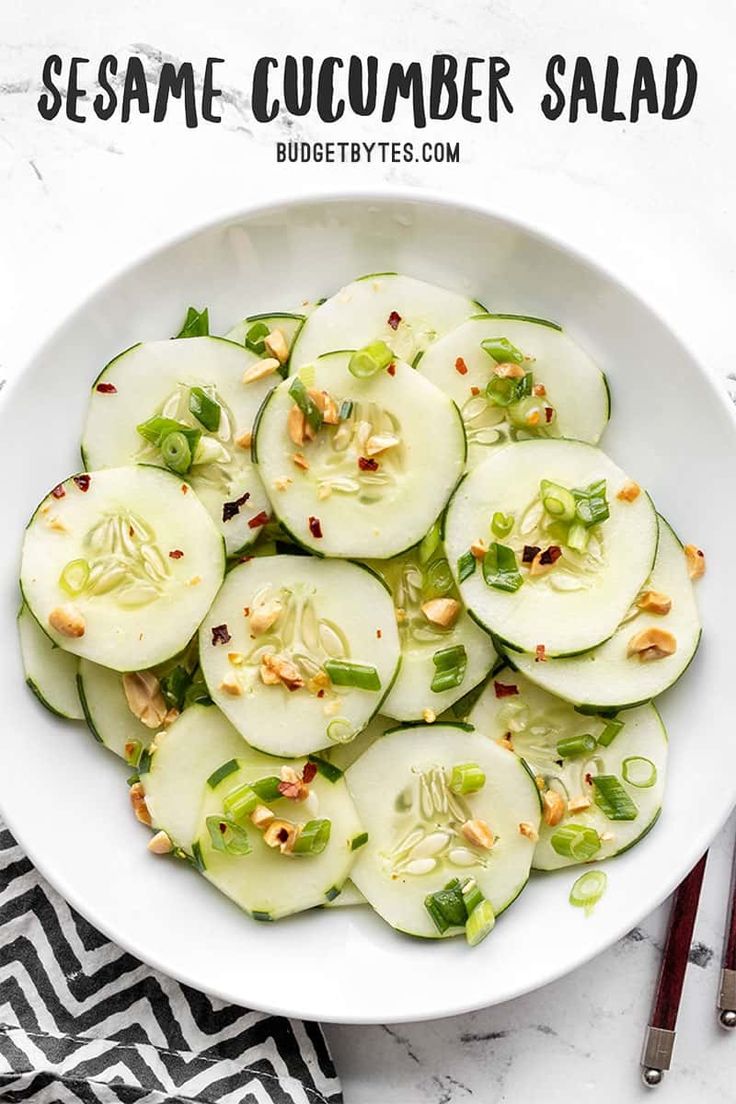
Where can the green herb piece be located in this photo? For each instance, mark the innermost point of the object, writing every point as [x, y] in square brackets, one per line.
[241, 802]
[364, 363]
[133, 749]
[346, 409]
[263, 917]
[358, 841]
[430, 543]
[144, 761]
[174, 686]
[205, 409]
[466, 565]
[340, 731]
[361, 676]
[588, 890]
[576, 841]
[558, 502]
[591, 504]
[227, 836]
[196, 323]
[502, 524]
[267, 788]
[450, 665]
[502, 351]
[467, 778]
[197, 857]
[639, 772]
[313, 838]
[306, 404]
[447, 907]
[333, 892]
[612, 799]
[480, 923]
[500, 569]
[326, 769]
[197, 693]
[222, 772]
[74, 576]
[439, 578]
[254, 338]
[610, 732]
[572, 746]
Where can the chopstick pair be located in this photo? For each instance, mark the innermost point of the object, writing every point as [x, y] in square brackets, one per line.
[660, 1035]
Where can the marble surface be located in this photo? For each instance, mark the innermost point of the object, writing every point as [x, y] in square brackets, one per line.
[652, 201]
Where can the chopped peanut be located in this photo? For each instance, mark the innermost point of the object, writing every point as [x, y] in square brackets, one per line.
[478, 549]
[554, 807]
[400, 615]
[540, 783]
[194, 581]
[160, 844]
[441, 611]
[380, 442]
[261, 816]
[230, 685]
[277, 668]
[505, 741]
[326, 406]
[629, 492]
[236, 658]
[264, 616]
[297, 426]
[261, 369]
[324, 490]
[281, 834]
[429, 716]
[509, 371]
[145, 701]
[653, 601]
[478, 833]
[320, 681]
[539, 390]
[651, 644]
[276, 344]
[528, 830]
[244, 440]
[607, 837]
[55, 523]
[171, 715]
[578, 804]
[300, 460]
[68, 621]
[138, 801]
[282, 483]
[695, 558]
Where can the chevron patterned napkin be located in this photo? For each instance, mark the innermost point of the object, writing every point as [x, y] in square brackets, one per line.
[82, 1021]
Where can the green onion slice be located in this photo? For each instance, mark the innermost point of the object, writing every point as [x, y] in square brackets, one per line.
[572, 746]
[222, 772]
[610, 732]
[74, 576]
[155, 429]
[591, 504]
[558, 502]
[326, 769]
[174, 686]
[340, 731]
[576, 841]
[241, 802]
[472, 895]
[577, 537]
[267, 788]
[447, 907]
[133, 749]
[480, 923]
[467, 778]
[439, 578]
[466, 565]
[639, 772]
[500, 569]
[361, 676]
[197, 693]
[307, 405]
[197, 857]
[502, 351]
[205, 409]
[196, 323]
[176, 453]
[502, 524]
[313, 838]
[346, 409]
[254, 338]
[450, 665]
[612, 799]
[430, 543]
[364, 363]
[358, 841]
[588, 889]
[227, 836]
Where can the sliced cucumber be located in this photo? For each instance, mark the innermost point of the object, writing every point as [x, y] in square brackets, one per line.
[308, 614]
[400, 788]
[353, 500]
[425, 643]
[575, 389]
[107, 712]
[50, 672]
[359, 314]
[607, 678]
[287, 325]
[537, 723]
[182, 791]
[156, 378]
[98, 571]
[344, 755]
[580, 602]
[349, 895]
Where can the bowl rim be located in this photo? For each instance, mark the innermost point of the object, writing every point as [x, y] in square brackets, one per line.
[385, 194]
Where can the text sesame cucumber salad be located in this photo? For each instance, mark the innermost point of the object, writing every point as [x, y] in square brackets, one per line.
[364, 607]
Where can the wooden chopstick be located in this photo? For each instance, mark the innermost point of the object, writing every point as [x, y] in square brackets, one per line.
[660, 1036]
[726, 1003]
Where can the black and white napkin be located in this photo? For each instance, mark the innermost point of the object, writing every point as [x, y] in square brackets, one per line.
[83, 1021]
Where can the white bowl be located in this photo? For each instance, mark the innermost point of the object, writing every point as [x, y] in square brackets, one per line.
[65, 797]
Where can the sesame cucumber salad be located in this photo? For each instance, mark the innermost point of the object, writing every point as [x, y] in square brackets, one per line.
[364, 607]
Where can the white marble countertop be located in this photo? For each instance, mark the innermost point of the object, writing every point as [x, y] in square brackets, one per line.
[653, 202]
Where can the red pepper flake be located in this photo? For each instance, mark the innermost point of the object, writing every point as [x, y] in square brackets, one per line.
[220, 635]
[106, 388]
[393, 320]
[83, 482]
[391, 369]
[259, 520]
[461, 366]
[367, 463]
[175, 554]
[550, 555]
[185, 488]
[379, 634]
[589, 778]
[309, 772]
[232, 509]
[246, 611]
[283, 835]
[548, 413]
[245, 559]
[540, 654]
[505, 689]
[315, 527]
[320, 693]
[475, 390]
[58, 491]
[530, 551]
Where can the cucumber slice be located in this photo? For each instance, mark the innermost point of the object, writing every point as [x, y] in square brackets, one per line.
[536, 723]
[576, 389]
[423, 642]
[50, 672]
[265, 883]
[288, 325]
[312, 613]
[365, 506]
[399, 791]
[349, 895]
[606, 579]
[155, 378]
[97, 565]
[106, 709]
[359, 314]
[344, 755]
[606, 678]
